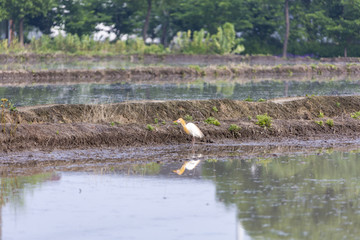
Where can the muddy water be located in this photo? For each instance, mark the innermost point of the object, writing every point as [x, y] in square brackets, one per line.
[200, 89]
[290, 196]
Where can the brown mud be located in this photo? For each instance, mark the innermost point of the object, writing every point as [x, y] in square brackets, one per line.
[121, 125]
[9, 77]
[212, 66]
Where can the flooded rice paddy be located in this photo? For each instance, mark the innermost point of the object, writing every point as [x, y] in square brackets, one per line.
[228, 193]
[299, 195]
[199, 89]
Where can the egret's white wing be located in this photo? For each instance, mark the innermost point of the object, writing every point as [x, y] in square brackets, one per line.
[192, 164]
[194, 130]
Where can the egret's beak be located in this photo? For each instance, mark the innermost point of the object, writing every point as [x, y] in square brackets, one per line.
[176, 121]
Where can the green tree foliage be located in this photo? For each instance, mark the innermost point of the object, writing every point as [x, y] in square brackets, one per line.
[81, 17]
[17, 10]
[321, 28]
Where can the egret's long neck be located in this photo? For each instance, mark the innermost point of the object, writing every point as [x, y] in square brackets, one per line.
[184, 126]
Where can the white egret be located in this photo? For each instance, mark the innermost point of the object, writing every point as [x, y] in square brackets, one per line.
[191, 129]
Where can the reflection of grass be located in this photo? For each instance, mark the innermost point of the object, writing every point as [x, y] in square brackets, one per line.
[146, 169]
[13, 188]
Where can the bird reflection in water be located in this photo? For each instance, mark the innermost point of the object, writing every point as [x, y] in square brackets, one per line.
[189, 165]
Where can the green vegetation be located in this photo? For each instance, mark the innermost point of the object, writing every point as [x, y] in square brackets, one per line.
[188, 117]
[330, 122]
[262, 100]
[337, 104]
[211, 160]
[321, 123]
[264, 120]
[248, 99]
[7, 106]
[211, 120]
[195, 67]
[355, 115]
[316, 30]
[321, 114]
[215, 109]
[234, 128]
[149, 127]
[156, 121]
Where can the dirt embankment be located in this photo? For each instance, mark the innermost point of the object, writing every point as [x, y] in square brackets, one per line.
[186, 72]
[213, 66]
[125, 124]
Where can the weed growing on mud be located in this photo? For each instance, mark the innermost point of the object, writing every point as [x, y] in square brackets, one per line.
[211, 160]
[6, 105]
[163, 123]
[355, 115]
[337, 104]
[249, 99]
[250, 118]
[149, 127]
[234, 128]
[114, 123]
[156, 121]
[320, 123]
[195, 67]
[262, 100]
[309, 96]
[321, 114]
[215, 109]
[211, 120]
[188, 117]
[264, 120]
[330, 122]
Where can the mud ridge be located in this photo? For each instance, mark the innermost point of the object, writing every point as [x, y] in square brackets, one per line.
[185, 72]
[126, 124]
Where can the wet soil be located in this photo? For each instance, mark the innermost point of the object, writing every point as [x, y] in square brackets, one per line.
[166, 73]
[185, 67]
[126, 124]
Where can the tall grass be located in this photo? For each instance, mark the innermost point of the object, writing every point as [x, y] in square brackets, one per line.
[74, 44]
[198, 42]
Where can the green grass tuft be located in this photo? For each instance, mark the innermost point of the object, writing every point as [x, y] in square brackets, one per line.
[211, 120]
[330, 122]
[149, 127]
[234, 128]
[264, 120]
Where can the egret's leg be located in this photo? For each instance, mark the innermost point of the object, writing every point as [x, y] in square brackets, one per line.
[193, 142]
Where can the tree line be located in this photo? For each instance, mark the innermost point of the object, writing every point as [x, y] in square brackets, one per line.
[316, 28]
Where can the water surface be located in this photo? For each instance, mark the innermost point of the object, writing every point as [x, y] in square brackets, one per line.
[200, 89]
[293, 196]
